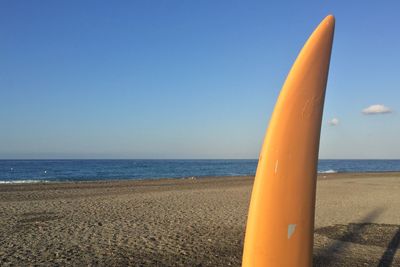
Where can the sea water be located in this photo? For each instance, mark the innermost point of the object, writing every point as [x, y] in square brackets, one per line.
[30, 171]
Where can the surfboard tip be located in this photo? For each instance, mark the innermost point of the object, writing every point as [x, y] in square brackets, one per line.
[330, 19]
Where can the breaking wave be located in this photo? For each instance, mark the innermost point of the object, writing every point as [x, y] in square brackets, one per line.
[328, 171]
[23, 181]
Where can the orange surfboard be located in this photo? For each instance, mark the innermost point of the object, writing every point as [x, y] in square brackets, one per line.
[280, 223]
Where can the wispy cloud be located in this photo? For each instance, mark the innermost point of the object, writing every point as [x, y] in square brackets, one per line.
[376, 109]
[333, 122]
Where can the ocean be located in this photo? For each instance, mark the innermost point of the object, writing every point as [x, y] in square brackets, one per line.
[30, 171]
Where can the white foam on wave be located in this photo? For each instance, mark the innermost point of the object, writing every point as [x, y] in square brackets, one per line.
[23, 182]
[328, 171]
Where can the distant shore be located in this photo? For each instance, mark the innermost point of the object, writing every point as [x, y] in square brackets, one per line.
[187, 222]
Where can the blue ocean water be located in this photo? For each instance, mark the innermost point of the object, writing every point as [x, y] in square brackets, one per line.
[20, 171]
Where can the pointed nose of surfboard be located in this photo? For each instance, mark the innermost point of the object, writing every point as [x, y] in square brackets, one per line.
[330, 19]
[324, 31]
[280, 222]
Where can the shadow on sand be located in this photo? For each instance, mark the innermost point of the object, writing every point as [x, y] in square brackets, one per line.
[388, 256]
[365, 233]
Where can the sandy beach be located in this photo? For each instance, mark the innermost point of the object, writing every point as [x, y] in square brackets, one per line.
[188, 222]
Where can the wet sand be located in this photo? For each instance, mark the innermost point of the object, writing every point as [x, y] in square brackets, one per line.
[185, 222]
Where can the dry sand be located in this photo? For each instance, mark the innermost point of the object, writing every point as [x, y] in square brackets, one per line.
[186, 222]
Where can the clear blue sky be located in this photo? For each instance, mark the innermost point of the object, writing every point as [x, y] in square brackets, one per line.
[187, 79]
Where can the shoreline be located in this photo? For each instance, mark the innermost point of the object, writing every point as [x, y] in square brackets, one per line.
[320, 175]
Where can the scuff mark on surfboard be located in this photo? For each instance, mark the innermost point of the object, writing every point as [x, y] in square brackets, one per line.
[290, 230]
[304, 110]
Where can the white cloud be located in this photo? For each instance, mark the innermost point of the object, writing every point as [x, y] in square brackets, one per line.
[376, 109]
[333, 122]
